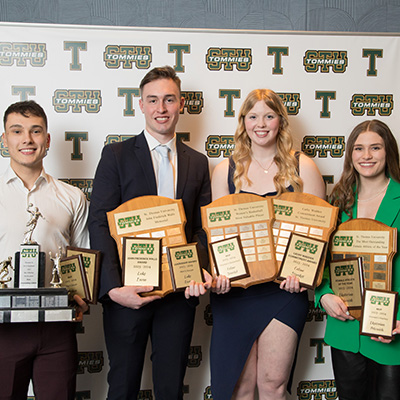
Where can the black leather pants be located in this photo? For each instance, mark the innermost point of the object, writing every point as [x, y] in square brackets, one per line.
[358, 377]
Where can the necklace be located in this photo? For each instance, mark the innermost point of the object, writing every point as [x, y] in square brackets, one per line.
[264, 169]
[376, 195]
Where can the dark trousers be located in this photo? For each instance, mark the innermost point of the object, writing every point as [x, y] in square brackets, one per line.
[169, 324]
[43, 352]
[358, 377]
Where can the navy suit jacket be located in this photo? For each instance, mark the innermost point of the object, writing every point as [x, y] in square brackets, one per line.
[125, 171]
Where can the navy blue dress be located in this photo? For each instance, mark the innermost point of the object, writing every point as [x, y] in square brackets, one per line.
[240, 316]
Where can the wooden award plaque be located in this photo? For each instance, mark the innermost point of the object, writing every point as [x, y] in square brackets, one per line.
[375, 243]
[91, 262]
[250, 217]
[74, 277]
[152, 217]
[304, 214]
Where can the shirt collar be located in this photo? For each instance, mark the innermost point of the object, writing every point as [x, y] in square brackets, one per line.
[153, 142]
[10, 176]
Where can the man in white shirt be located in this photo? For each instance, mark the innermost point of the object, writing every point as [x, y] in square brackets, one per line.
[43, 352]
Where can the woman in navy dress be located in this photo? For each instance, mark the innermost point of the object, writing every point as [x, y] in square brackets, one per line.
[256, 330]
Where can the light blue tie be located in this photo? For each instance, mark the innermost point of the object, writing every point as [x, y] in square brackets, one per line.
[165, 173]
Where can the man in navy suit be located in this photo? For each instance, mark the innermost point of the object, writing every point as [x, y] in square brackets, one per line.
[127, 170]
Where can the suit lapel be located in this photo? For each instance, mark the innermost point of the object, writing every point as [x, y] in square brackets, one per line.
[142, 153]
[390, 205]
[183, 168]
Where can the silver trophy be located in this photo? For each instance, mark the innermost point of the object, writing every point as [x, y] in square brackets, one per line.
[5, 272]
[30, 261]
[56, 280]
[31, 224]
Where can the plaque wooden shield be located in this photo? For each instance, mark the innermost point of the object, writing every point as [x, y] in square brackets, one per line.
[153, 217]
[375, 243]
[304, 214]
[250, 217]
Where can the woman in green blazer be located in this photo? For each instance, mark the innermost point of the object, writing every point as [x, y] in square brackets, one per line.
[364, 367]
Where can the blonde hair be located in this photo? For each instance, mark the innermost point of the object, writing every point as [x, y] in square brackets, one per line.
[284, 158]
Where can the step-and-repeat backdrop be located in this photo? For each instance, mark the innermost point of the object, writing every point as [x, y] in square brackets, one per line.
[87, 80]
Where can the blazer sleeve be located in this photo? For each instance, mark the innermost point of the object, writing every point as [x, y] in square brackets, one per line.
[106, 196]
[202, 199]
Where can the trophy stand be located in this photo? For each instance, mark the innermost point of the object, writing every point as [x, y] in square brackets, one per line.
[29, 300]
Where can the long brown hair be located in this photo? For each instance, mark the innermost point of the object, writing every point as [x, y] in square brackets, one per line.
[284, 157]
[342, 195]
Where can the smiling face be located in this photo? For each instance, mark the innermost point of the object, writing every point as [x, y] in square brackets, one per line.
[369, 155]
[161, 104]
[262, 125]
[27, 141]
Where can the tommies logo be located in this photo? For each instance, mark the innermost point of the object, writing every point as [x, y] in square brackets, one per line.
[226, 247]
[115, 56]
[85, 184]
[324, 60]
[21, 53]
[343, 241]
[219, 216]
[141, 248]
[291, 101]
[129, 221]
[217, 144]
[280, 209]
[145, 394]
[28, 253]
[218, 57]
[68, 268]
[194, 102]
[184, 254]
[371, 103]
[113, 138]
[380, 300]
[344, 270]
[306, 246]
[92, 360]
[86, 262]
[317, 390]
[4, 150]
[195, 357]
[77, 99]
[322, 145]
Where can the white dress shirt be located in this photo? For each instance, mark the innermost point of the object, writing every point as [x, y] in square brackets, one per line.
[64, 208]
[156, 157]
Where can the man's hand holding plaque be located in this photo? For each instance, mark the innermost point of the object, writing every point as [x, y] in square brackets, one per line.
[141, 263]
[155, 257]
[185, 267]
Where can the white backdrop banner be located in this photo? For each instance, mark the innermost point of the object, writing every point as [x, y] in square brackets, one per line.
[87, 79]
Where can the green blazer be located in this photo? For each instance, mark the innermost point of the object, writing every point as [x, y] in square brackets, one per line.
[344, 335]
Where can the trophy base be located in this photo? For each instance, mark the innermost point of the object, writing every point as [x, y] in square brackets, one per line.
[35, 305]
